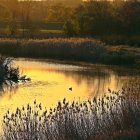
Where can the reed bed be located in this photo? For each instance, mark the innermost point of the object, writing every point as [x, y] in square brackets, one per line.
[114, 117]
[73, 49]
[61, 48]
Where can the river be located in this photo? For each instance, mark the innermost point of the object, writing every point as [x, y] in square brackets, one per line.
[53, 81]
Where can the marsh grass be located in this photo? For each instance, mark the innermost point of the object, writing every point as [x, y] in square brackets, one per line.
[73, 49]
[121, 40]
[69, 49]
[116, 116]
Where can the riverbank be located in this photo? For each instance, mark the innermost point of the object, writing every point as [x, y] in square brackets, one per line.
[114, 116]
[73, 49]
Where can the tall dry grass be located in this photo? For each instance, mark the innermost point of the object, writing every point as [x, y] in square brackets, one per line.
[74, 49]
[60, 48]
[113, 117]
[8, 71]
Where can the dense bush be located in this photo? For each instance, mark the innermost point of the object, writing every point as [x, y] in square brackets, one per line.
[106, 18]
[8, 71]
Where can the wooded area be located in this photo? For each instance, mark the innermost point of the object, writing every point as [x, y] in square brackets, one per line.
[106, 20]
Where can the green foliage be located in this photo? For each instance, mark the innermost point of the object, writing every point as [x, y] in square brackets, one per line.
[70, 28]
[88, 18]
[58, 13]
[4, 12]
[128, 14]
[12, 27]
[106, 18]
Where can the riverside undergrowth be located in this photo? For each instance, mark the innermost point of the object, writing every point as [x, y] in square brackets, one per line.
[113, 116]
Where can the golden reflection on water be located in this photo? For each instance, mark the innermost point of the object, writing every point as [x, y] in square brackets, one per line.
[51, 82]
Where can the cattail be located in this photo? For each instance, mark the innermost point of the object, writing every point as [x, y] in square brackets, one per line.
[17, 111]
[94, 100]
[40, 106]
[8, 112]
[39, 118]
[89, 102]
[73, 104]
[28, 107]
[23, 108]
[109, 90]
[107, 97]
[64, 101]
[34, 102]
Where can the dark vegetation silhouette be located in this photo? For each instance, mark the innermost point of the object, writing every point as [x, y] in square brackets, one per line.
[110, 21]
[9, 73]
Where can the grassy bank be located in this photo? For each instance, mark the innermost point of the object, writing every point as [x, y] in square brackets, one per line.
[75, 49]
[114, 117]
[40, 34]
[133, 40]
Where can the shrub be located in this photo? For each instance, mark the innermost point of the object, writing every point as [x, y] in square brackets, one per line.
[10, 74]
[8, 71]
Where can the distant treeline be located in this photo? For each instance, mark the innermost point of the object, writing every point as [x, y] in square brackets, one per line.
[105, 18]
[88, 18]
[19, 16]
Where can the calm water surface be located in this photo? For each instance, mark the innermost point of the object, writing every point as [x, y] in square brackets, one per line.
[51, 82]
